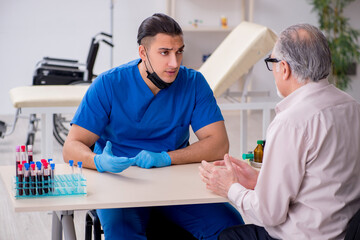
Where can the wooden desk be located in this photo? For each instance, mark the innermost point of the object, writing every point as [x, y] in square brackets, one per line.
[135, 187]
[47, 100]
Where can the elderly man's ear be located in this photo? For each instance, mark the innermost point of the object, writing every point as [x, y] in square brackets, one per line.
[286, 71]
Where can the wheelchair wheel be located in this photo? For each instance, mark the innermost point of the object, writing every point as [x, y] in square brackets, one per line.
[62, 121]
[61, 127]
[32, 129]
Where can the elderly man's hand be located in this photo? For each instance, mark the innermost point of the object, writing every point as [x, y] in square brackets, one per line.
[218, 180]
[246, 175]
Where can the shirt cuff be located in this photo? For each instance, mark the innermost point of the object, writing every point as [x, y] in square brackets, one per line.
[234, 191]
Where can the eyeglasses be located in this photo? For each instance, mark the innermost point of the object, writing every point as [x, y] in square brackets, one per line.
[271, 60]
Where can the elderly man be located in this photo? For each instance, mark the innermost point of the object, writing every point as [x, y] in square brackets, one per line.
[308, 186]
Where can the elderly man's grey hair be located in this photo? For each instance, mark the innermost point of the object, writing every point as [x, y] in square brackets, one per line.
[305, 48]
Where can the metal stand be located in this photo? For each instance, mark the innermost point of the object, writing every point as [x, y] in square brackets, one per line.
[63, 221]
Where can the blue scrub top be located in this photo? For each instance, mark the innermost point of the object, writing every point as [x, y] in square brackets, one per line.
[120, 107]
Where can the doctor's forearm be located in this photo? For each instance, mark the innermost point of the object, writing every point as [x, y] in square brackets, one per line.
[209, 149]
[77, 151]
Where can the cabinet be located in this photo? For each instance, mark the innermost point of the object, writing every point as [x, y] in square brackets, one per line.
[202, 40]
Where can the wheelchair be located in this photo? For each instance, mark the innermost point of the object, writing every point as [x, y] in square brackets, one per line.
[58, 71]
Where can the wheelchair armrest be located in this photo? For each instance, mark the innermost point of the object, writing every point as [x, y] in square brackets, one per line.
[60, 60]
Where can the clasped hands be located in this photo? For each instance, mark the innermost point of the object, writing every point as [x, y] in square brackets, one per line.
[108, 162]
[220, 175]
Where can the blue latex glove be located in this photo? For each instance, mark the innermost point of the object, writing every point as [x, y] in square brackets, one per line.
[147, 159]
[107, 162]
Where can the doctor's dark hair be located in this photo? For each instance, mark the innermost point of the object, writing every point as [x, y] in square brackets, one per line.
[305, 48]
[157, 23]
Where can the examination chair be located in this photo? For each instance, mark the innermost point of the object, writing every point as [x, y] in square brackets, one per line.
[232, 62]
[236, 55]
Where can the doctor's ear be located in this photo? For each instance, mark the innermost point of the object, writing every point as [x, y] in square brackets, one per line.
[142, 52]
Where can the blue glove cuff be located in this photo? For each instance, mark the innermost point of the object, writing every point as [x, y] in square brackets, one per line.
[167, 158]
[97, 163]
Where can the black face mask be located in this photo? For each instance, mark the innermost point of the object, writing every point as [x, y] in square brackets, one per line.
[156, 80]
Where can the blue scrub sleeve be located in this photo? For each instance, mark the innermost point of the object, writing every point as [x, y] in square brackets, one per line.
[94, 110]
[206, 110]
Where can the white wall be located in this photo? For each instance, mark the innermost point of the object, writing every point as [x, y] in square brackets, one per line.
[32, 29]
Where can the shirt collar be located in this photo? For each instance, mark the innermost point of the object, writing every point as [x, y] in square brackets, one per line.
[300, 93]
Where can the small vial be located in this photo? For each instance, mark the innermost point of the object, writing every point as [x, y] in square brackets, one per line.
[43, 161]
[23, 156]
[79, 167]
[39, 178]
[52, 177]
[224, 22]
[71, 164]
[46, 177]
[50, 160]
[17, 158]
[80, 174]
[27, 179]
[33, 178]
[20, 179]
[30, 153]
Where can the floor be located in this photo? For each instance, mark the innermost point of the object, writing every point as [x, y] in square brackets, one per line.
[37, 225]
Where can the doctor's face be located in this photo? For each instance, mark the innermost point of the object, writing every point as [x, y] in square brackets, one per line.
[164, 56]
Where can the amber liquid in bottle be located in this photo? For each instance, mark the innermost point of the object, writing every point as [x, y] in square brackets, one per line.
[259, 152]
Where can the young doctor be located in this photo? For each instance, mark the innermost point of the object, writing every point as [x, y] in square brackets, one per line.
[139, 114]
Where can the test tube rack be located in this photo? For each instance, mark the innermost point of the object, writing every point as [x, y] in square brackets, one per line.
[63, 185]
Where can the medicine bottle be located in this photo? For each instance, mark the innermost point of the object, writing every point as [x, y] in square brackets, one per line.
[259, 151]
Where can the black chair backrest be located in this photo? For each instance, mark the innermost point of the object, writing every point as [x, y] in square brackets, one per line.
[94, 48]
[353, 228]
[90, 62]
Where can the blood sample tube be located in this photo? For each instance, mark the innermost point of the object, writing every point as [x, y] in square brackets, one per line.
[23, 156]
[46, 177]
[30, 153]
[20, 179]
[71, 164]
[79, 167]
[52, 176]
[43, 161]
[50, 161]
[27, 179]
[33, 179]
[80, 174]
[17, 158]
[39, 178]
[23, 163]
